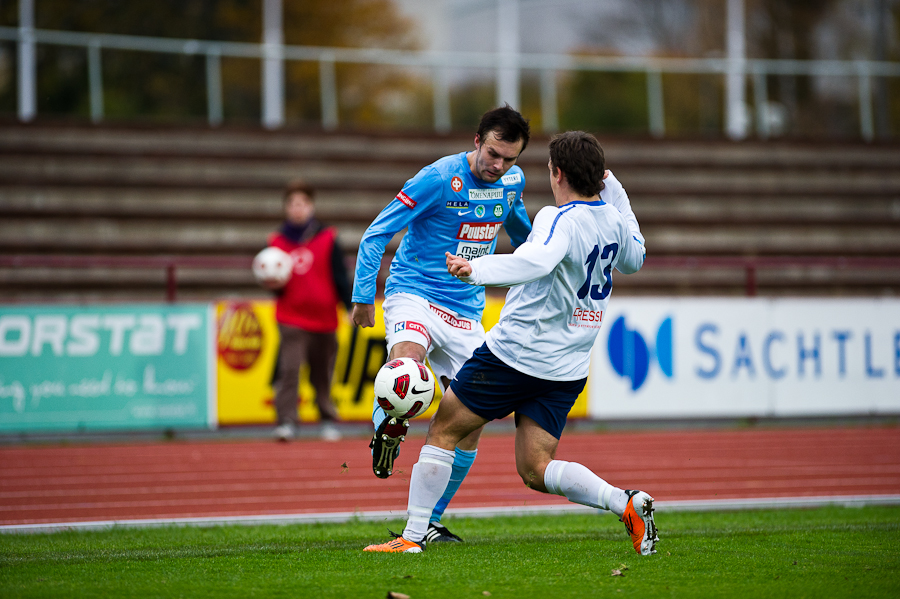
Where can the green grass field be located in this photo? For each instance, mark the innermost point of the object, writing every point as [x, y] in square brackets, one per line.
[827, 552]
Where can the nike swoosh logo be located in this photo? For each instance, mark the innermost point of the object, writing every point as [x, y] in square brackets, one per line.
[461, 213]
[416, 392]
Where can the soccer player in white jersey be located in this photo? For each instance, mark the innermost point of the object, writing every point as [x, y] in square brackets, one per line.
[457, 204]
[535, 360]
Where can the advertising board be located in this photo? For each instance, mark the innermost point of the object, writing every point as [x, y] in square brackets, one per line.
[81, 368]
[695, 357]
[247, 347]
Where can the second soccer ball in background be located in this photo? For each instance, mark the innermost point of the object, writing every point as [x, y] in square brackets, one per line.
[272, 267]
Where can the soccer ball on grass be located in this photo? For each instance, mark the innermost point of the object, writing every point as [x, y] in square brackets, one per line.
[404, 388]
[272, 267]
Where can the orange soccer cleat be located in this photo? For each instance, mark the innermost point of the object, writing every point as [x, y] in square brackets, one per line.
[398, 545]
[638, 519]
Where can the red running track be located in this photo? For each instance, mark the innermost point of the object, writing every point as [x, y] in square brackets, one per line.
[186, 479]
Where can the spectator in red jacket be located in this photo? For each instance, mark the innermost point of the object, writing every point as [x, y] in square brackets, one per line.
[306, 309]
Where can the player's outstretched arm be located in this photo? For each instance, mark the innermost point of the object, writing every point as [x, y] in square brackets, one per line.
[517, 224]
[615, 194]
[363, 315]
[531, 261]
[631, 256]
[397, 215]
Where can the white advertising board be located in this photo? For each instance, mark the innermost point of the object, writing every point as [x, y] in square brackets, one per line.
[694, 357]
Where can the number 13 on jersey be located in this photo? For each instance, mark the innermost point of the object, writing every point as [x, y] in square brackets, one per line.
[608, 253]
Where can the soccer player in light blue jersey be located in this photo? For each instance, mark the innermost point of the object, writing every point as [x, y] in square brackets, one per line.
[535, 361]
[457, 204]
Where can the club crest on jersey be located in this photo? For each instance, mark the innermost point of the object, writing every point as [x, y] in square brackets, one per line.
[510, 198]
[457, 204]
[478, 231]
[479, 211]
[511, 178]
[406, 200]
[486, 194]
[456, 184]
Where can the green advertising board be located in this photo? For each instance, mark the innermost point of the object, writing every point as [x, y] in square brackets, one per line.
[82, 368]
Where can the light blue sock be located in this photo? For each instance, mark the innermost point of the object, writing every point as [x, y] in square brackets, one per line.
[462, 461]
[378, 415]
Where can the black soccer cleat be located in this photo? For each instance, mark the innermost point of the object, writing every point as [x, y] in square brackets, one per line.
[438, 533]
[386, 445]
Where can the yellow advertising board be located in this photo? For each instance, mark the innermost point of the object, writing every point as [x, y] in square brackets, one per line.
[247, 344]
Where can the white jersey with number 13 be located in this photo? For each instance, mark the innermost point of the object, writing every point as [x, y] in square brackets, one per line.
[561, 279]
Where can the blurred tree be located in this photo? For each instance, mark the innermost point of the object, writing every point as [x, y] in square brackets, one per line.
[612, 103]
[143, 84]
[617, 102]
[778, 29]
[470, 100]
[231, 20]
[371, 97]
[786, 29]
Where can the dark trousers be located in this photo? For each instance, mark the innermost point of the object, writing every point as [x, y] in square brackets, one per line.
[300, 347]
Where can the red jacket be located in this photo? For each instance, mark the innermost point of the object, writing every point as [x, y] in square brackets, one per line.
[310, 297]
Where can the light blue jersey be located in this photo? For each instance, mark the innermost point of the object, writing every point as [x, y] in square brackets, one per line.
[446, 209]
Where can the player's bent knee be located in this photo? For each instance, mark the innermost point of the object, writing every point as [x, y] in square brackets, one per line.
[444, 432]
[531, 466]
[442, 437]
[452, 423]
[470, 441]
[408, 349]
[532, 476]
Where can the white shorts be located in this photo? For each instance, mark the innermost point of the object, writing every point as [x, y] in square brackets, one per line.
[449, 339]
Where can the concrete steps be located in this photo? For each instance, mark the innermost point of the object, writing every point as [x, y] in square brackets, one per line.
[126, 191]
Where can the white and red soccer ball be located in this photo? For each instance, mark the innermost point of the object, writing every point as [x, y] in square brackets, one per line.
[272, 268]
[404, 388]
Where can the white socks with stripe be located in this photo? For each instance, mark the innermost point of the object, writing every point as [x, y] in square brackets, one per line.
[579, 485]
[429, 478]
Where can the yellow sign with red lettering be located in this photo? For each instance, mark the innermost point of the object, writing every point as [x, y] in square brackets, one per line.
[246, 348]
[247, 343]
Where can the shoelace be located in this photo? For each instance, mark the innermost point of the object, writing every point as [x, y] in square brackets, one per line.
[400, 543]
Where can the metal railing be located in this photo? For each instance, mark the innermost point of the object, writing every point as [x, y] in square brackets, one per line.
[751, 265]
[170, 264]
[440, 62]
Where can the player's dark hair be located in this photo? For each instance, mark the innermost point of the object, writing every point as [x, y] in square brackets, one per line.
[507, 124]
[580, 157]
[299, 186]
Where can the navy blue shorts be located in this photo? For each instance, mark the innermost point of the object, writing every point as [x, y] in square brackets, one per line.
[491, 389]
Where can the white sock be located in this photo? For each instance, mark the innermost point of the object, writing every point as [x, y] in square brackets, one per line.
[579, 485]
[429, 478]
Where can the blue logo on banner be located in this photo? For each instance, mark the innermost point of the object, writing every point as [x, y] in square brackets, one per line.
[629, 353]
